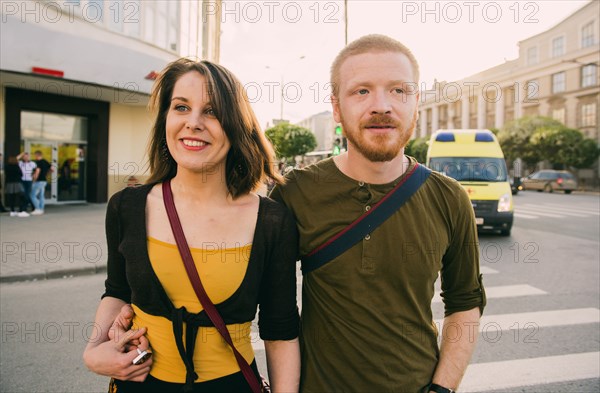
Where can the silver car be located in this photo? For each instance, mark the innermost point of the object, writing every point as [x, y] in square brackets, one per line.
[550, 180]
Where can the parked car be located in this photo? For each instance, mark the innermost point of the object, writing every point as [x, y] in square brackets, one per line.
[550, 180]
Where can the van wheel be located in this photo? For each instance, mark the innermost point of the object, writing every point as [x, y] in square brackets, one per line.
[548, 188]
[505, 232]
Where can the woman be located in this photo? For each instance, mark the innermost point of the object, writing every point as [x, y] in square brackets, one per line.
[14, 188]
[207, 141]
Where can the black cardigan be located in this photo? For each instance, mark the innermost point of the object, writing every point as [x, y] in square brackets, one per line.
[270, 278]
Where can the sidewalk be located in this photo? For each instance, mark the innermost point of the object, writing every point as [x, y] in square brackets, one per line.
[66, 240]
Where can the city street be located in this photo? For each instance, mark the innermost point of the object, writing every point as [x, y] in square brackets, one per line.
[539, 332]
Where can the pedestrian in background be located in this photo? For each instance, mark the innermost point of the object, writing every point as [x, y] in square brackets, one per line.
[38, 188]
[207, 147]
[367, 323]
[27, 169]
[2, 208]
[14, 188]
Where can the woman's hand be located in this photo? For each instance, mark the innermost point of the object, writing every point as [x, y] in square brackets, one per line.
[114, 358]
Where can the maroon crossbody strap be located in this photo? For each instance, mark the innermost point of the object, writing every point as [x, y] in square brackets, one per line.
[192, 272]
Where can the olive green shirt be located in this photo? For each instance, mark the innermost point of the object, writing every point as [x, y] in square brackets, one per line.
[367, 323]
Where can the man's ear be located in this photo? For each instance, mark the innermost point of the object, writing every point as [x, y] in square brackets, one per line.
[335, 105]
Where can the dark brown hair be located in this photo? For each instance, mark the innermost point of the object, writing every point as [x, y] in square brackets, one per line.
[251, 155]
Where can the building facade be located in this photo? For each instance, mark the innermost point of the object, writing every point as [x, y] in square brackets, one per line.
[556, 75]
[323, 126]
[75, 81]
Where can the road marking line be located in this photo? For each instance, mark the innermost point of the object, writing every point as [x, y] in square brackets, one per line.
[527, 372]
[542, 214]
[503, 291]
[577, 209]
[519, 215]
[553, 210]
[493, 325]
[487, 270]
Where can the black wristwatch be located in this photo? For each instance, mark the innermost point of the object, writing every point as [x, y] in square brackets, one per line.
[434, 387]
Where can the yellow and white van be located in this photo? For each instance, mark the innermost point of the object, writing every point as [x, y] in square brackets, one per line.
[474, 158]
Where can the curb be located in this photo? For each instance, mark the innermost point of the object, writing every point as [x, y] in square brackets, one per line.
[53, 274]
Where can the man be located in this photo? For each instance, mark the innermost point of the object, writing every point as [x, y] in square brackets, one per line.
[27, 169]
[39, 183]
[366, 315]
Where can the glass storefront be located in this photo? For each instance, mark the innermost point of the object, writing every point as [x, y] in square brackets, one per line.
[62, 140]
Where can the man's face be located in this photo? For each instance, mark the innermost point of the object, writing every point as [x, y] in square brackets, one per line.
[26, 157]
[377, 103]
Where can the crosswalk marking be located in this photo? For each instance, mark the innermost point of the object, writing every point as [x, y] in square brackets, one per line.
[493, 324]
[536, 371]
[504, 291]
[543, 214]
[529, 211]
[487, 270]
[594, 211]
[526, 216]
[535, 208]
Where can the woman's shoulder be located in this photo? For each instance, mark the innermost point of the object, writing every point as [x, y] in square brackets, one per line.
[274, 211]
[131, 195]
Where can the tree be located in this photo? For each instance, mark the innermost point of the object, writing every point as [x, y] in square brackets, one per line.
[417, 148]
[587, 153]
[565, 147]
[515, 136]
[291, 140]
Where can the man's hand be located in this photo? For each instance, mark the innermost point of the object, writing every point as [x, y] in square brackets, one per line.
[121, 325]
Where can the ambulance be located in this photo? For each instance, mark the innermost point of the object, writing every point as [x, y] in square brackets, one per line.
[474, 158]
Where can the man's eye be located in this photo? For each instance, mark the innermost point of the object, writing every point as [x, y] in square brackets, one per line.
[362, 92]
[399, 90]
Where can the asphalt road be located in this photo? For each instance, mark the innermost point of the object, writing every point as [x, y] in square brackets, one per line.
[540, 330]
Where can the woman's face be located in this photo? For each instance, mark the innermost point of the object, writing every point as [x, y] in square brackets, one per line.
[195, 137]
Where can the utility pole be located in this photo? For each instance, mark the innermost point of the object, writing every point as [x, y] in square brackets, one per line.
[345, 22]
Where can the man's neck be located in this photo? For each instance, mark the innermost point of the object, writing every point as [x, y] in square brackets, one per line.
[356, 166]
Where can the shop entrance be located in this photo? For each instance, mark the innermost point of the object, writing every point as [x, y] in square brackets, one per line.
[62, 140]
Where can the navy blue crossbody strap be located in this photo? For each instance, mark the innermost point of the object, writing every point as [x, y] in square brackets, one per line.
[368, 222]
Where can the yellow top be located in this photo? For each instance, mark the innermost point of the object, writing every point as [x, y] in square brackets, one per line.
[222, 272]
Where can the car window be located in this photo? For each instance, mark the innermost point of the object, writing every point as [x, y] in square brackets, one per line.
[567, 176]
[537, 175]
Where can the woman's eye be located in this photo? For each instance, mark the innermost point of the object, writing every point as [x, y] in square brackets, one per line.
[399, 90]
[180, 108]
[210, 112]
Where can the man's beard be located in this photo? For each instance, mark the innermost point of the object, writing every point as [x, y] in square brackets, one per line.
[378, 148]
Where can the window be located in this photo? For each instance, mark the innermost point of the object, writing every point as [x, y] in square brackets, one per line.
[131, 18]
[559, 114]
[532, 56]
[94, 10]
[558, 82]
[587, 35]
[532, 90]
[115, 15]
[558, 46]
[588, 75]
[149, 22]
[588, 115]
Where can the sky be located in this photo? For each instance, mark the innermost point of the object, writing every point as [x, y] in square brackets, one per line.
[267, 42]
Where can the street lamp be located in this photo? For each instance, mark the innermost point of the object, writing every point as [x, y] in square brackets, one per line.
[282, 82]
